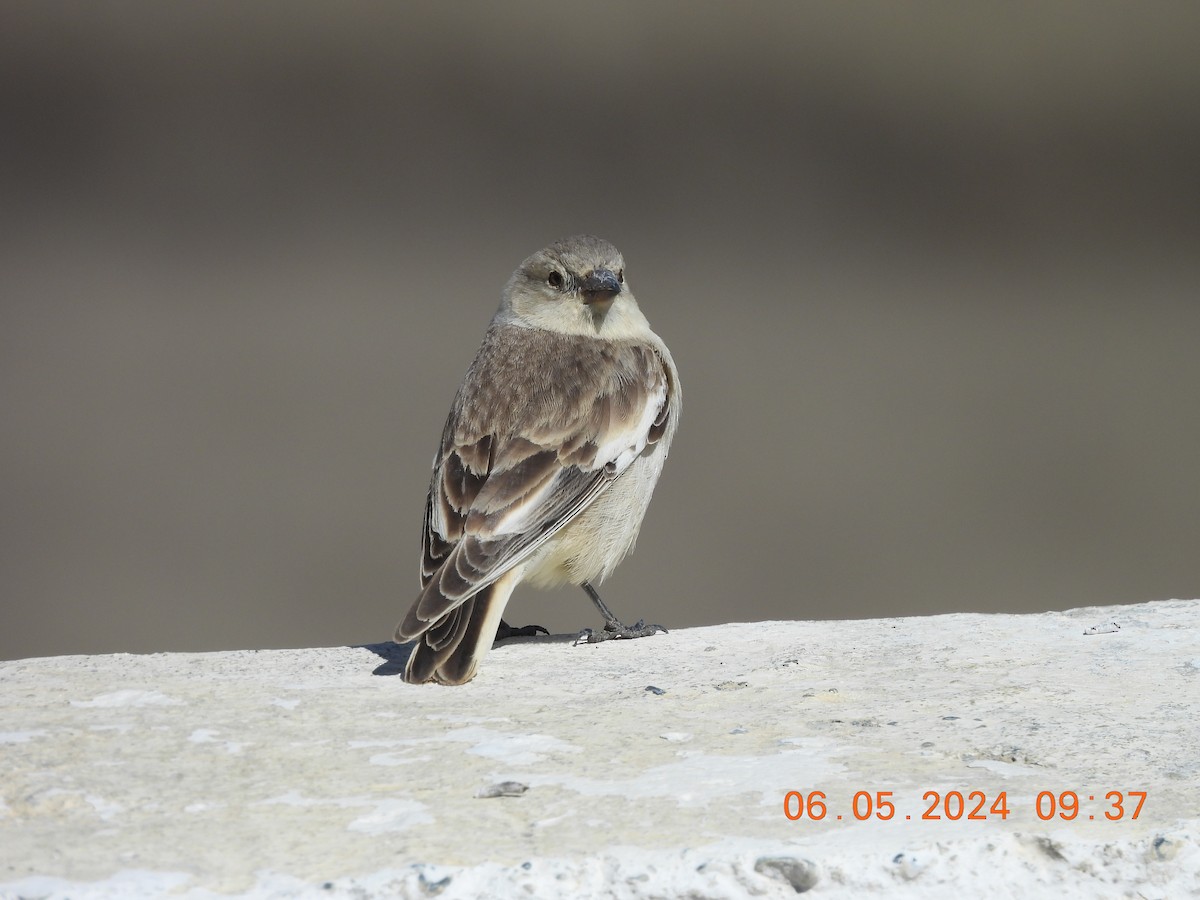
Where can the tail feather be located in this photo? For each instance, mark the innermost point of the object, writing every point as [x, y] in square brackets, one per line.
[450, 649]
[438, 643]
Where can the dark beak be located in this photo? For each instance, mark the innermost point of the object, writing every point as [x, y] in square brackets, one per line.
[600, 285]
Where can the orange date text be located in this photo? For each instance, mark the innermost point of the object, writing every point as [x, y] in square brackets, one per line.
[971, 806]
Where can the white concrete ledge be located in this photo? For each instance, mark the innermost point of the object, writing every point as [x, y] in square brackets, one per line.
[651, 768]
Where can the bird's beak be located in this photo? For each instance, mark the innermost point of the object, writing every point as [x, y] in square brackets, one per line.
[600, 286]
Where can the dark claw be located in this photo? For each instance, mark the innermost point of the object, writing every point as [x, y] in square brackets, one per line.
[613, 627]
[617, 631]
[505, 631]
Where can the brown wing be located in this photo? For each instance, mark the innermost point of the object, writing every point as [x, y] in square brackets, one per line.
[526, 448]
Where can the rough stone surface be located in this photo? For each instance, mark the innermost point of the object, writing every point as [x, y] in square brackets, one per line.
[649, 768]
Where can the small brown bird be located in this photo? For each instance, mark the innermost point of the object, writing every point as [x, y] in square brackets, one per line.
[553, 446]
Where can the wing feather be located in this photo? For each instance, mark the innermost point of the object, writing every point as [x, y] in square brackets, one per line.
[527, 447]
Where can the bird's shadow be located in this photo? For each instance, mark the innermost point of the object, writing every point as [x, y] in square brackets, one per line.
[395, 656]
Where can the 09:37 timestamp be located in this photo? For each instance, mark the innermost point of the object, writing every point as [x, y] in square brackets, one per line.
[972, 806]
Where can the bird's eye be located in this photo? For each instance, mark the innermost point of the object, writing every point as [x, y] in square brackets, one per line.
[555, 279]
[621, 276]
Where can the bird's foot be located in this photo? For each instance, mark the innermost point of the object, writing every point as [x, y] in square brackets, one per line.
[505, 631]
[615, 630]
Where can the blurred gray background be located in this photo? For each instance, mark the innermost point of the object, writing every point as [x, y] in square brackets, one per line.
[930, 274]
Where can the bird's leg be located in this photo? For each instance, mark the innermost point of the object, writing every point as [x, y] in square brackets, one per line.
[613, 627]
[505, 631]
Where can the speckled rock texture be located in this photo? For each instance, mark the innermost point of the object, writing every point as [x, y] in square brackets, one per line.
[683, 764]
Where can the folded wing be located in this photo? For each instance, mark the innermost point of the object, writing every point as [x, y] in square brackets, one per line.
[524, 452]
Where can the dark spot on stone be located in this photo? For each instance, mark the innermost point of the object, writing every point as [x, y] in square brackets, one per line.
[799, 873]
[433, 888]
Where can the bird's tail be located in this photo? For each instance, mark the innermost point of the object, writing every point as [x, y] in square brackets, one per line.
[451, 648]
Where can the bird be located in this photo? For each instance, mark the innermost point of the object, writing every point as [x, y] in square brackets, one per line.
[553, 446]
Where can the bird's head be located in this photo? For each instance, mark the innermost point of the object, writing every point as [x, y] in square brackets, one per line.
[574, 286]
